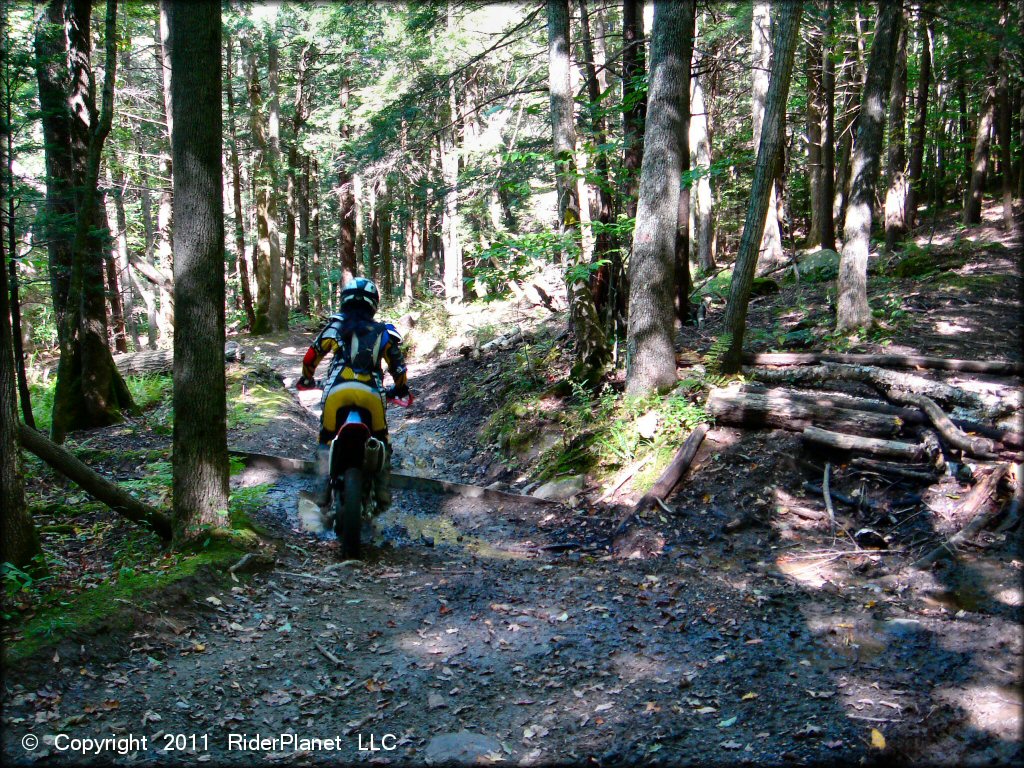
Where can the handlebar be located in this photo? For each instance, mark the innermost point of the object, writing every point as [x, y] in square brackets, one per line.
[402, 402]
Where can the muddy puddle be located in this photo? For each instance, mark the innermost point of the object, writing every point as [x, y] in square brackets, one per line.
[415, 519]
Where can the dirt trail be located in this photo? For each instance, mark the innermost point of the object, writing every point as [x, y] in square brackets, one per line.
[460, 639]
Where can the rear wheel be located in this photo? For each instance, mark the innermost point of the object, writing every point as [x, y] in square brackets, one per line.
[348, 513]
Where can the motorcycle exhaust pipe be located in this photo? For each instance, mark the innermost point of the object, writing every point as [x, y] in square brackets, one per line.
[373, 456]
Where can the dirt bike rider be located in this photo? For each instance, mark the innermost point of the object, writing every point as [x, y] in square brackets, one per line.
[359, 344]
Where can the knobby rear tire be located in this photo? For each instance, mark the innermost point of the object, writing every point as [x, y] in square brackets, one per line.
[348, 514]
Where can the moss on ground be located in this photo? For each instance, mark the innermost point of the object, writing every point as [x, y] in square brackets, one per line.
[112, 606]
[254, 398]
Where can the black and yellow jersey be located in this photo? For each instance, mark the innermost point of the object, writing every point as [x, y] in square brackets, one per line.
[359, 345]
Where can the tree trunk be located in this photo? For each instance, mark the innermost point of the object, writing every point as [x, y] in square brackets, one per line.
[89, 392]
[700, 154]
[919, 127]
[768, 153]
[852, 310]
[1005, 156]
[236, 190]
[300, 112]
[374, 212]
[314, 224]
[651, 359]
[51, 54]
[387, 268]
[413, 264]
[964, 125]
[606, 277]
[633, 101]
[347, 214]
[118, 329]
[771, 254]
[820, 206]
[854, 84]
[826, 188]
[267, 249]
[164, 255]
[120, 226]
[979, 169]
[278, 309]
[304, 249]
[120, 501]
[896, 196]
[200, 455]
[592, 354]
[19, 543]
[450, 174]
[683, 282]
[7, 162]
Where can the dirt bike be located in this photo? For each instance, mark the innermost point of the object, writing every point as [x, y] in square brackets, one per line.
[356, 458]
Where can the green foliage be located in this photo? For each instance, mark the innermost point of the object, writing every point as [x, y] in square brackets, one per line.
[715, 355]
[150, 391]
[244, 504]
[253, 399]
[99, 607]
[16, 580]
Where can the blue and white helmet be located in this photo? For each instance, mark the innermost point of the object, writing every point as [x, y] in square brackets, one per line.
[361, 290]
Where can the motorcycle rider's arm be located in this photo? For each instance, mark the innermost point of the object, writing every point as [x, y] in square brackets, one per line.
[316, 352]
[396, 363]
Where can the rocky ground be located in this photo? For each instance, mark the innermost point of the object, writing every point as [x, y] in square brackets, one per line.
[734, 629]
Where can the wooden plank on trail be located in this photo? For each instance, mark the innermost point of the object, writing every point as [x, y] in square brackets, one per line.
[416, 483]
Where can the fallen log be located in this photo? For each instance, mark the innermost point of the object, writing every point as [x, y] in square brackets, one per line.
[97, 486]
[991, 406]
[1009, 438]
[1016, 501]
[870, 445]
[992, 367]
[664, 484]
[887, 468]
[976, 446]
[840, 400]
[974, 509]
[781, 410]
[152, 361]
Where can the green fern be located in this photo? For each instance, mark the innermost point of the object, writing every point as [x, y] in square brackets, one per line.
[714, 356]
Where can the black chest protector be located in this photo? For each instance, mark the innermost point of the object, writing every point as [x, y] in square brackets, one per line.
[360, 349]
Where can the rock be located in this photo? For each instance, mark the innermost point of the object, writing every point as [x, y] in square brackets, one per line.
[497, 485]
[647, 425]
[464, 748]
[425, 344]
[903, 627]
[530, 446]
[869, 538]
[763, 286]
[818, 266]
[436, 701]
[558, 490]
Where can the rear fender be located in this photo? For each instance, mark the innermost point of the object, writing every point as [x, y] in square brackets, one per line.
[348, 448]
